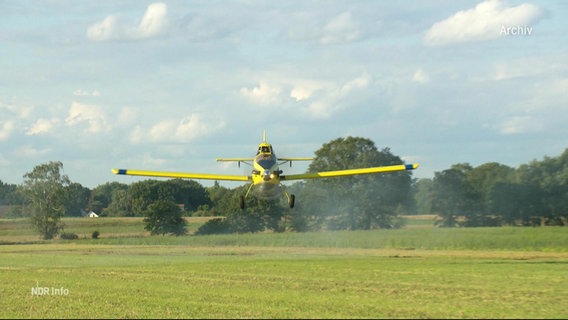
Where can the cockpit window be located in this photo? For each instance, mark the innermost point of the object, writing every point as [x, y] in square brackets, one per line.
[264, 149]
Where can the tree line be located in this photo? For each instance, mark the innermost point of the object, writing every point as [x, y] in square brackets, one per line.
[494, 194]
[491, 194]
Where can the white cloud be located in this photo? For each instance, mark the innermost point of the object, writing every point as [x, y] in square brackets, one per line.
[321, 109]
[27, 151]
[360, 82]
[501, 73]
[163, 130]
[126, 115]
[86, 93]
[340, 29]
[520, 124]
[421, 76]
[529, 67]
[92, 115]
[303, 89]
[137, 135]
[332, 97]
[179, 131]
[484, 22]
[315, 98]
[510, 71]
[105, 30]
[21, 111]
[42, 126]
[192, 127]
[151, 162]
[154, 22]
[6, 130]
[263, 93]
[300, 93]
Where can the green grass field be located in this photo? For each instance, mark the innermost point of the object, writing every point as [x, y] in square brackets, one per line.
[415, 272]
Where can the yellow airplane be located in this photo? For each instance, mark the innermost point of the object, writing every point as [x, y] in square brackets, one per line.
[266, 177]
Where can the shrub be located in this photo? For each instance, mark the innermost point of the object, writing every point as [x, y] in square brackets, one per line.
[164, 217]
[214, 226]
[95, 234]
[68, 236]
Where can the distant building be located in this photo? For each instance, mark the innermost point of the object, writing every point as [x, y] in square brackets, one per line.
[91, 214]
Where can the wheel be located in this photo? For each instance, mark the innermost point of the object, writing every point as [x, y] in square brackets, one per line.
[242, 202]
[292, 200]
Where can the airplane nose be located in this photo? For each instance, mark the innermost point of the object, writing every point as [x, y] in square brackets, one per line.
[266, 175]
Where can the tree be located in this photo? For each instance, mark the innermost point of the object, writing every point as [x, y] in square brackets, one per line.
[356, 202]
[190, 193]
[11, 201]
[45, 189]
[551, 176]
[217, 195]
[101, 197]
[479, 184]
[139, 195]
[481, 181]
[164, 217]
[9, 194]
[120, 205]
[516, 203]
[450, 194]
[423, 196]
[78, 199]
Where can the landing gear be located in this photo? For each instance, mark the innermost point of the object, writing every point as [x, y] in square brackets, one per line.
[242, 198]
[291, 201]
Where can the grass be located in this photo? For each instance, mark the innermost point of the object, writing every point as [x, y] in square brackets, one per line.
[19, 230]
[417, 272]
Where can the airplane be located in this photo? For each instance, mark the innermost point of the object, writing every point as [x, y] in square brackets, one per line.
[266, 177]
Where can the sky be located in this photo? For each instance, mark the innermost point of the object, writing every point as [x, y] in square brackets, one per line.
[173, 85]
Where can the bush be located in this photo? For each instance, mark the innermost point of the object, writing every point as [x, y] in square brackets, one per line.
[214, 226]
[164, 217]
[68, 236]
[95, 234]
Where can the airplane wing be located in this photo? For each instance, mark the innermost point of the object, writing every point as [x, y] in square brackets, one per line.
[349, 172]
[183, 175]
[295, 159]
[252, 159]
[235, 159]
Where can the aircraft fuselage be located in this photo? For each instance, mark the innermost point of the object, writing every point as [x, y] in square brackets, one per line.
[266, 173]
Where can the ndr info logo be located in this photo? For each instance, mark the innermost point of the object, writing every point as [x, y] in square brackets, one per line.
[49, 291]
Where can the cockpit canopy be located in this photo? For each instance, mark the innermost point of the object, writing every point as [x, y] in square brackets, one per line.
[264, 148]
